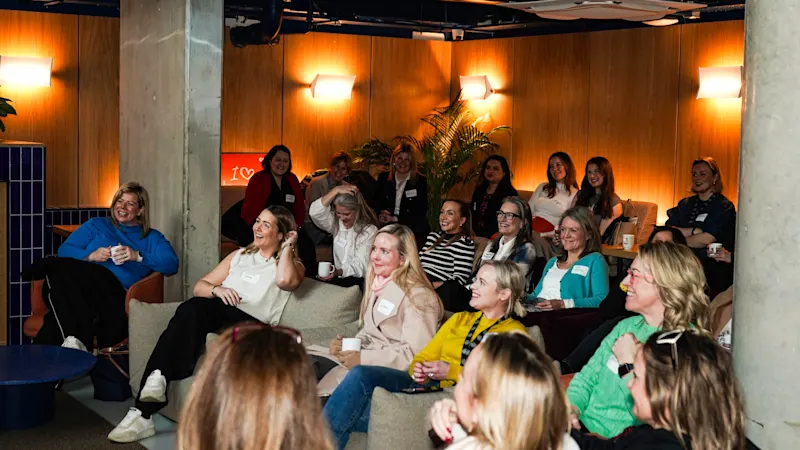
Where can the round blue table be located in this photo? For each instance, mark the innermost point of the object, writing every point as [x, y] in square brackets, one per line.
[28, 374]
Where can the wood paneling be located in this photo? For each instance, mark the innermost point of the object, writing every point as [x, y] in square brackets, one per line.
[98, 124]
[409, 79]
[252, 97]
[315, 128]
[47, 114]
[708, 127]
[632, 109]
[551, 104]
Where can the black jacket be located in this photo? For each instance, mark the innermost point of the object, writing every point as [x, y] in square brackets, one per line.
[642, 437]
[413, 203]
[486, 225]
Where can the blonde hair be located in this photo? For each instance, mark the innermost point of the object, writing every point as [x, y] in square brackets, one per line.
[404, 147]
[520, 403]
[696, 396]
[142, 197]
[508, 275]
[680, 281]
[255, 393]
[285, 221]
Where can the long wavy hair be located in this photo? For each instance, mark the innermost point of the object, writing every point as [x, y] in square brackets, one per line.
[585, 219]
[466, 229]
[586, 194]
[696, 396]
[508, 275]
[570, 181]
[142, 197]
[365, 216]
[680, 281]
[286, 223]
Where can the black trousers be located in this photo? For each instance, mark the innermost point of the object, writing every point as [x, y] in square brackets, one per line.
[575, 361]
[184, 341]
[455, 297]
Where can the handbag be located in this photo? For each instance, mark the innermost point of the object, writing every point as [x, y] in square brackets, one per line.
[110, 375]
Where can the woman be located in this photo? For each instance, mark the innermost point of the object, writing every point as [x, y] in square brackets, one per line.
[508, 397]
[496, 295]
[665, 288]
[578, 278]
[551, 199]
[237, 390]
[664, 233]
[401, 195]
[597, 193]
[250, 284]
[686, 394]
[344, 213]
[321, 185]
[705, 218]
[448, 256]
[489, 194]
[97, 264]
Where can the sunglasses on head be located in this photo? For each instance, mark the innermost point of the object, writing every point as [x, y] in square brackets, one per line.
[671, 338]
[252, 326]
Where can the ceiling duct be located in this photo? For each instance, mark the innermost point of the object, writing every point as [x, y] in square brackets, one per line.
[632, 10]
[264, 32]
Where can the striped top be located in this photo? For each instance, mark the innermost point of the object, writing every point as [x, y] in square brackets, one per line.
[448, 262]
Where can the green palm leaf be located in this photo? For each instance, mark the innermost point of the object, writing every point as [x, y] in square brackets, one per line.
[5, 110]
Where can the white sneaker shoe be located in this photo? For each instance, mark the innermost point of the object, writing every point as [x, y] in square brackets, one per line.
[74, 343]
[155, 388]
[133, 428]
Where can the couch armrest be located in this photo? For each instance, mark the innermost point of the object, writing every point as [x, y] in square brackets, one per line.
[146, 322]
[401, 420]
[149, 289]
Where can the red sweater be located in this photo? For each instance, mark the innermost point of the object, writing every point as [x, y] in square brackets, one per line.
[257, 193]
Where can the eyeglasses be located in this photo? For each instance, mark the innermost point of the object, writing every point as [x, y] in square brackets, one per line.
[251, 326]
[644, 276]
[507, 215]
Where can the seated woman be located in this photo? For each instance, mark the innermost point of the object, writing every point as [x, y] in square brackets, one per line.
[685, 393]
[448, 256]
[87, 284]
[496, 295]
[551, 199]
[237, 387]
[508, 397]
[489, 194]
[578, 278]
[597, 193]
[705, 218]
[250, 284]
[321, 185]
[401, 195]
[666, 288]
[344, 213]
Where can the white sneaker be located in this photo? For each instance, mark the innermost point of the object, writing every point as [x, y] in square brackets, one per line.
[74, 343]
[133, 428]
[155, 388]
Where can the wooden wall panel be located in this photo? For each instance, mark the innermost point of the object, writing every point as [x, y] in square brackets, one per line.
[632, 109]
[98, 115]
[409, 79]
[252, 97]
[708, 127]
[47, 114]
[314, 128]
[551, 104]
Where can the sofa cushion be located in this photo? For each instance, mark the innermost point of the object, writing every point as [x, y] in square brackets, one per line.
[401, 420]
[316, 304]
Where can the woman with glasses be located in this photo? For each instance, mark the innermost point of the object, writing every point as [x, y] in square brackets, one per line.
[578, 278]
[551, 199]
[685, 393]
[489, 194]
[665, 287]
[237, 389]
[251, 284]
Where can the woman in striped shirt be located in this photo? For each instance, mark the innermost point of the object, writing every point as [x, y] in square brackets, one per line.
[448, 255]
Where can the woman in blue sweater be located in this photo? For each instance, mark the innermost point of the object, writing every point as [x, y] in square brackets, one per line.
[113, 253]
[578, 278]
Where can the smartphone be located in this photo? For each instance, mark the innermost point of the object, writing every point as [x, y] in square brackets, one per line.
[421, 389]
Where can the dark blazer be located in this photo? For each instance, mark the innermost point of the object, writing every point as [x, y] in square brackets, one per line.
[413, 203]
[489, 225]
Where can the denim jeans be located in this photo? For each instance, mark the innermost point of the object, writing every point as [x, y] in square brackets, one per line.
[347, 410]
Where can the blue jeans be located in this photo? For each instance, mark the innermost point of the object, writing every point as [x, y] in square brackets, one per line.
[347, 410]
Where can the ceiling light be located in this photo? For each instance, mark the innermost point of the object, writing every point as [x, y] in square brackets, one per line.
[666, 21]
[475, 87]
[720, 82]
[25, 71]
[427, 36]
[333, 87]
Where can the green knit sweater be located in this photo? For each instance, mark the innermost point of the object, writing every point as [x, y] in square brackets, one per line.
[600, 394]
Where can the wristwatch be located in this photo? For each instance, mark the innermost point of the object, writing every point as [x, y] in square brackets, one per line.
[624, 369]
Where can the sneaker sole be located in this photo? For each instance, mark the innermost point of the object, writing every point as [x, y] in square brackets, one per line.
[149, 432]
[148, 398]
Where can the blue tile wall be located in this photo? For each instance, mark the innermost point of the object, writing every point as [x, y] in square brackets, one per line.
[63, 216]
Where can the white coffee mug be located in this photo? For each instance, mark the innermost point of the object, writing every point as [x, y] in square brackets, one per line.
[627, 242]
[325, 269]
[113, 252]
[351, 345]
[714, 248]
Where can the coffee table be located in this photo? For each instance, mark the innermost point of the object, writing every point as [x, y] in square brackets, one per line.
[28, 374]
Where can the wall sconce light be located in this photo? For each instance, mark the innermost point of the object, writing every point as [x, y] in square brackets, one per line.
[25, 71]
[475, 87]
[720, 82]
[333, 87]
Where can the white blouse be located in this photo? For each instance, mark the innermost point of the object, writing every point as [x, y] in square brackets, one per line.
[253, 277]
[350, 249]
[551, 209]
[551, 284]
[400, 186]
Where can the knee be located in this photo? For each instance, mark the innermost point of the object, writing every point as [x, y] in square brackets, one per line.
[192, 307]
[361, 377]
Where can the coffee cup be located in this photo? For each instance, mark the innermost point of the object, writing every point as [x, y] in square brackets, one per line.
[324, 269]
[114, 250]
[351, 345]
[627, 242]
[714, 249]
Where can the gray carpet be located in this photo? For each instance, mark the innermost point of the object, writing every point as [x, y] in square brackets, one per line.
[75, 427]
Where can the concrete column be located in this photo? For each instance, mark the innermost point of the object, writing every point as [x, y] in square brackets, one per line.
[170, 115]
[766, 327]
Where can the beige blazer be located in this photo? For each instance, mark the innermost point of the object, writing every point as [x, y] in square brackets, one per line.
[394, 330]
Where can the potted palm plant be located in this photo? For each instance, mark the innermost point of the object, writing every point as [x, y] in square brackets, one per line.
[5, 110]
[451, 151]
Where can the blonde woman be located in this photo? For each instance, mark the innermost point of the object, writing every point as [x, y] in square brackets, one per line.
[665, 287]
[251, 284]
[237, 390]
[401, 195]
[508, 397]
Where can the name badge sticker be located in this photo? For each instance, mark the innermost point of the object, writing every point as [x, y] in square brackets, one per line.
[411, 193]
[613, 364]
[487, 256]
[290, 198]
[701, 217]
[580, 270]
[385, 307]
[250, 277]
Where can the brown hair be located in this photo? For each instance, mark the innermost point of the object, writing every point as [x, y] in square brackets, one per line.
[256, 393]
[570, 181]
[585, 219]
[142, 198]
[466, 230]
[696, 396]
[339, 157]
[404, 147]
[286, 223]
[712, 164]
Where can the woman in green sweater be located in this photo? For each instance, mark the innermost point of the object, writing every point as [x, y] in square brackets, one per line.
[666, 288]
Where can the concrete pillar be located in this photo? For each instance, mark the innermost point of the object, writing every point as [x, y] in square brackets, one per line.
[170, 115]
[766, 327]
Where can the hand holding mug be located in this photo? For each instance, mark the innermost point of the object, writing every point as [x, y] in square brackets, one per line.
[719, 253]
[335, 346]
[550, 305]
[350, 359]
[122, 254]
[102, 254]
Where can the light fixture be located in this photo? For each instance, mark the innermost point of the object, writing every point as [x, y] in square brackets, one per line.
[720, 82]
[427, 36]
[25, 71]
[666, 21]
[475, 87]
[333, 87]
